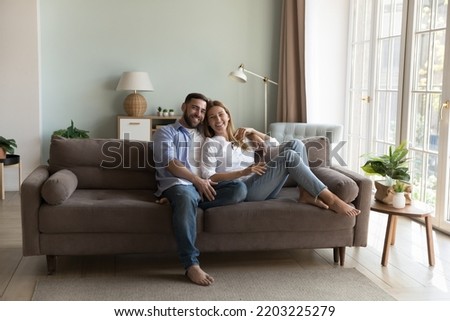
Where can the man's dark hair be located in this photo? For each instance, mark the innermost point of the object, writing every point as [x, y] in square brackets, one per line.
[196, 96]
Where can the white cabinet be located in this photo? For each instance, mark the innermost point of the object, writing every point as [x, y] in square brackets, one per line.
[140, 128]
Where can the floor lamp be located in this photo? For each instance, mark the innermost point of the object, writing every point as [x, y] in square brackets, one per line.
[239, 75]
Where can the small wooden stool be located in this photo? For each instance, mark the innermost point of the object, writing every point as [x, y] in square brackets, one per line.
[9, 161]
[416, 209]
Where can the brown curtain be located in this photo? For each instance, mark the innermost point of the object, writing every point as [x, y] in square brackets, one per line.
[291, 105]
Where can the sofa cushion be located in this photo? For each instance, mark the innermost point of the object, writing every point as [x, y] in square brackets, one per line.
[344, 187]
[109, 211]
[283, 214]
[59, 187]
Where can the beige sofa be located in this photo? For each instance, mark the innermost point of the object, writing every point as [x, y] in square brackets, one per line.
[95, 197]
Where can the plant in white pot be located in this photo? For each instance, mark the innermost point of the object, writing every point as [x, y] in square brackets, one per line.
[399, 199]
[393, 167]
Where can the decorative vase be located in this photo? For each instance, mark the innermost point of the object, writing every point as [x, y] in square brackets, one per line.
[399, 201]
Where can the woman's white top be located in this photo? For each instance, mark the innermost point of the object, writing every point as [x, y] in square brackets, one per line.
[220, 156]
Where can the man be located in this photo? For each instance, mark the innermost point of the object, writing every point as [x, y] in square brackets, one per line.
[177, 153]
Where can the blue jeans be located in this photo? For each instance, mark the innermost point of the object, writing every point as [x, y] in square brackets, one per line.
[291, 160]
[184, 200]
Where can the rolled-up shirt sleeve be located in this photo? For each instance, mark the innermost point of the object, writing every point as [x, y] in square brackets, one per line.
[163, 147]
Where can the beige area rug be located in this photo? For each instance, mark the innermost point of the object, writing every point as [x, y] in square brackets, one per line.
[258, 283]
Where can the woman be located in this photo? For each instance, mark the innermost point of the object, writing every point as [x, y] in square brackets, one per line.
[229, 154]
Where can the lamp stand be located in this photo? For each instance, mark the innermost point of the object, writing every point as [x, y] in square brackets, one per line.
[135, 105]
[265, 106]
[239, 75]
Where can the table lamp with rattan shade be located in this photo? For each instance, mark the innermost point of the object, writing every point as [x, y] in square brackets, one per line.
[135, 104]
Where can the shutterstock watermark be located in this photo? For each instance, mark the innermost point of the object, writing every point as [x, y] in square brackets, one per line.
[122, 154]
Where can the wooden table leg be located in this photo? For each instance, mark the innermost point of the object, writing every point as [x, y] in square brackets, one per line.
[430, 245]
[388, 239]
[394, 228]
[2, 181]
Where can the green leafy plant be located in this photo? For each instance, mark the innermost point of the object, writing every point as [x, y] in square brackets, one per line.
[171, 111]
[399, 187]
[7, 145]
[71, 132]
[392, 165]
[164, 110]
[159, 109]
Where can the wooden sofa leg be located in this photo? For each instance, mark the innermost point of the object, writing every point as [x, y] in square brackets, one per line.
[336, 255]
[339, 255]
[51, 264]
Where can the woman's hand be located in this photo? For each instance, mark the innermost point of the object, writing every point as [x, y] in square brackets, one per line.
[258, 169]
[243, 132]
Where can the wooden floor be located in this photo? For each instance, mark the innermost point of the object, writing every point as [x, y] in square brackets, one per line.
[407, 276]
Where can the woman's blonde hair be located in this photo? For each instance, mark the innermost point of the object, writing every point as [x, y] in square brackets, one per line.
[209, 132]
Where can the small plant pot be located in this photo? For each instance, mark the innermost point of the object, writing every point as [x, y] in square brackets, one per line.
[159, 113]
[171, 113]
[165, 114]
[399, 200]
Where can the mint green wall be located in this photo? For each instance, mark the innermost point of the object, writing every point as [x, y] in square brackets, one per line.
[185, 46]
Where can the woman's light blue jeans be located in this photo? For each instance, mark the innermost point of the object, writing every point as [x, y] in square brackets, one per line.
[292, 160]
[184, 200]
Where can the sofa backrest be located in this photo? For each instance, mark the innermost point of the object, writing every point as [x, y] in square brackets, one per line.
[286, 131]
[319, 139]
[105, 163]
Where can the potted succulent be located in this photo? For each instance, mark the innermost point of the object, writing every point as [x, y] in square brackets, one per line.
[171, 112]
[71, 132]
[165, 113]
[393, 167]
[159, 112]
[6, 146]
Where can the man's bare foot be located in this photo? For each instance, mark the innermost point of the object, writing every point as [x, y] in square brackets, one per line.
[307, 198]
[162, 201]
[198, 276]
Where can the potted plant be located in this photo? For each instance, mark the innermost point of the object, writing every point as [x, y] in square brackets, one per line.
[165, 113]
[159, 113]
[171, 112]
[71, 132]
[6, 146]
[393, 167]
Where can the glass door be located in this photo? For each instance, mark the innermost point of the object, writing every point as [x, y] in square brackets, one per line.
[399, 90]
[427, 128]
[359, 84]
[377, 45]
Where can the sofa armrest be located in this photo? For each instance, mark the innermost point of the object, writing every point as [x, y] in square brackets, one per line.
[362, 202]
[31, 201]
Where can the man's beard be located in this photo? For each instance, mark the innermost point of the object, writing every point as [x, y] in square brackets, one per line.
[188, 121]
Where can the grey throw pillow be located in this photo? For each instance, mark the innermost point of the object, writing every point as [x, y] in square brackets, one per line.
[344, 187]
[59, 187]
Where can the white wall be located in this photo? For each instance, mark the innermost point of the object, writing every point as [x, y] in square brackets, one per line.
[19, 83]
[185, 46]
[326, 55]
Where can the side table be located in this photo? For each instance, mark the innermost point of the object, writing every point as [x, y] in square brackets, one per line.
[416, 209]
[9, 160]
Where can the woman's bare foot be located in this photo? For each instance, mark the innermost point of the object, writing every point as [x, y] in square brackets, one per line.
[337, 205]
[340, 207]
[198, 276]
[305, 197]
